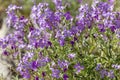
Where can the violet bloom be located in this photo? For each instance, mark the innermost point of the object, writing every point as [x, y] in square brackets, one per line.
[75, 39]
[81, 26]
[103, 6]
[25, 74]
[43, 61]
[78, 67]
[74, 30]
[42, 17]
[67, 16]
[58, 4]
[13, 46]
[31, 28]
[12, 8]
[34, 65]
[49, 43]
[111, 1]
[72, 55]
[116, 66]
[62, 41]
[20, 24]
[117, 23]
[5, 53]
[66, 33]
[27, 56]
[95, 35]
[12, 18]
[101, 27]
[4, 46]
[20, 67]
[72, 43]
[113, 28]
[58, 16]
[36, 78]
[43, 74]
[111, 74]
[103, 73]
[98, 67]
[63, 64]
[65, 69]
[55, 73]
[117, 31]
[65, 77]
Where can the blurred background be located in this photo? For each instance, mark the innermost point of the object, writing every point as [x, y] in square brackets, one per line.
[28, 3]
[74, 4]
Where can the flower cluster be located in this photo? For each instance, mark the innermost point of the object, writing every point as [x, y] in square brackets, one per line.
[104, 72]
[56, 44]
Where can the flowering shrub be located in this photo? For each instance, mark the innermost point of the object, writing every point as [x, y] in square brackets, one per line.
[53, 44]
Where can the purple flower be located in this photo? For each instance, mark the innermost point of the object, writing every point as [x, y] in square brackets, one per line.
[80, 26]
[75, 39]
[12, 18]
[55, 73]
[111, 74]
[72, 55]
[25, 74]
[117, 31]
[58, 4]
[78, 67]
[116, 66]
[113, 28]
[31, 28]
[73, 30]
[12, 8]
[103, 73]
[43, 74]
[72, 43]
[67, 16]
[42, 17]
[36, 78]
[111, 1]
[63, 64]
[13, 47]
[5, 53]
[65, 77]
[27, 56]
[49, 43]
[66, 33]
[62, 41]
[117, 22]
[43, 61]
[98, 67]
[34, 65]
[103, 6]
[21, 46]
[95, 35]
[101, 27]
[4, 46]
[58, 16]
[65, 69]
